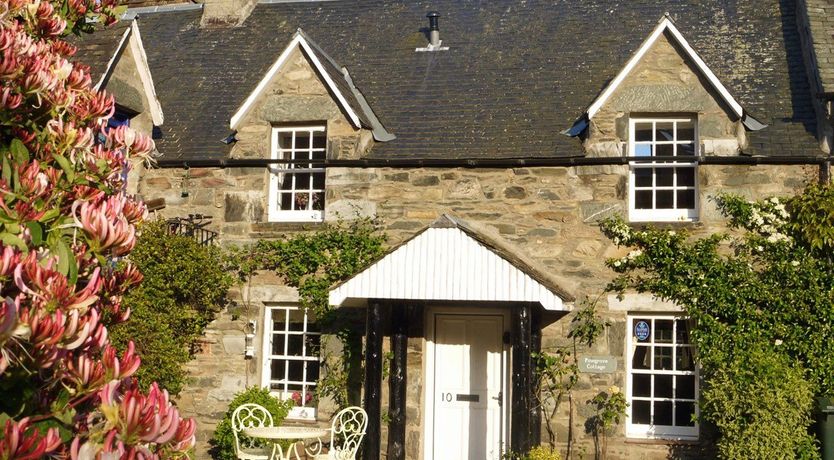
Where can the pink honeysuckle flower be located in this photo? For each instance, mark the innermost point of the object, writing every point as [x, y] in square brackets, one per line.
[22, 442]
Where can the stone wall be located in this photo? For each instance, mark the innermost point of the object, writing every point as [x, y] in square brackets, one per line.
[547, 214]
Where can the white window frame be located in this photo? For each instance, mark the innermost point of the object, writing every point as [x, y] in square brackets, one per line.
[662, 215]
[667, 432]
[278, 171]
[307, 411]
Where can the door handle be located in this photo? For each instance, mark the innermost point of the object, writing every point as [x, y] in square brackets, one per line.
[499, 398]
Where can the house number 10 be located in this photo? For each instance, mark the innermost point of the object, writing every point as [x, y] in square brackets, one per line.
[446, 397]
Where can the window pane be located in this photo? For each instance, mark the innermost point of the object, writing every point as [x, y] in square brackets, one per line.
[665, 131]
[663, 386]
[319, 141]
[665, 176]
[642, 150]
[686, 176]
[295, 387]
[663, 358]
[278, 345]
[278, 367]
[665, 199]
[641, 412]
[643, 177]
[302, 181]
[318, 180]
[686, 199]
[318, 201]
[285, 141]
[663, 330]
[296, 370]
[686, 131]
[312, 371]
[683, 413]
[682, 336]
[302, 201]
[684, 359]
[641, 358]
[642, 385]
[663, 413]
[294, 343]
[664, 150]
[286, 201]
[302, 141]
[686, 149]
[685, 386]
[643, 199]
[642, 132]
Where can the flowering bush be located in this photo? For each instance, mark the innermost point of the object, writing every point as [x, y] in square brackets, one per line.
[64, 220]
[762, 310]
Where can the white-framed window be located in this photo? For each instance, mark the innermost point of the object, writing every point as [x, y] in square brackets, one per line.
[291, 358]
[663, 190]
[296, 190]
[662, 385]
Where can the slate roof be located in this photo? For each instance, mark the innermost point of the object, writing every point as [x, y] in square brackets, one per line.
[97, 49]
[516, 74]
[821, 22]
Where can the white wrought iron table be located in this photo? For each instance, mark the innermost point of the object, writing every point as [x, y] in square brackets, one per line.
[273, 434]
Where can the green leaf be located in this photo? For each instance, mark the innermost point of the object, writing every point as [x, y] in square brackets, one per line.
[66, 166]
[7, 169]
[19, 152]
[65, 256]
[10, 239]
[36, 231]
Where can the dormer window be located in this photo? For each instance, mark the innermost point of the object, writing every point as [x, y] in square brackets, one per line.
[296, 188]
[663, 186]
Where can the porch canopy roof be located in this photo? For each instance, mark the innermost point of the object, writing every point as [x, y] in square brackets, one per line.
[452, 261]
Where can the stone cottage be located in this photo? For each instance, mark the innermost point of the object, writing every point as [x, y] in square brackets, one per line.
[488, 139]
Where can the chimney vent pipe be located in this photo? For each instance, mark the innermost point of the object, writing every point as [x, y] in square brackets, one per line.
[434, 28]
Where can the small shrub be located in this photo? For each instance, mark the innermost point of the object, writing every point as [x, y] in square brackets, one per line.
[223, 441]
[184, 285]
[761, 405]
[536, 453]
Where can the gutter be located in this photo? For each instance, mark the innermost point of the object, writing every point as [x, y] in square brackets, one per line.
[489, 163]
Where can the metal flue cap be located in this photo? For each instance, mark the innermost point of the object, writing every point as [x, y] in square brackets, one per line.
[433, 19]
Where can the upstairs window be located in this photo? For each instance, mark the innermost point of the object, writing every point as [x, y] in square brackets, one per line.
[296, 188]
[663, 187]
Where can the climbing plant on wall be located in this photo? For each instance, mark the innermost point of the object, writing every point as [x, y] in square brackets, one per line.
[761, 300]
[313, 262]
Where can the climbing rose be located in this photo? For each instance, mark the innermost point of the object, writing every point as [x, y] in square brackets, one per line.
[65, 225]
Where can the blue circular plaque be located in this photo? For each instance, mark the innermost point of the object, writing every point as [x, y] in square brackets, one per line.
[642, 330]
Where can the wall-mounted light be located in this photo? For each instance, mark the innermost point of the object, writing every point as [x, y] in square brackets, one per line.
[249, 338]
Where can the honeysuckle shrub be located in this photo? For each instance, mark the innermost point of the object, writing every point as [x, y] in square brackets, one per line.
[185, 284]
[764, 288]
[223, 441]
[65, 221]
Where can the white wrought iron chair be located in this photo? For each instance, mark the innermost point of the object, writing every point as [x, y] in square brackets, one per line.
[250, 416]
[346, 433]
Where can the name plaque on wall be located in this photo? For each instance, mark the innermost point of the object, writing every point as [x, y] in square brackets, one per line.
[598, 364]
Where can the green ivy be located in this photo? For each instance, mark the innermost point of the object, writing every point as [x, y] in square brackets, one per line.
[312, 263]
[184, 285]
[223, 440]
[761, 300]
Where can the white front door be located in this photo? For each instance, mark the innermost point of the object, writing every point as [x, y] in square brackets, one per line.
[467, 394]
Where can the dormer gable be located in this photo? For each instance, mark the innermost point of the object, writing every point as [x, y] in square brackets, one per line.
[336, 79]
[665, 34]
[127, 75]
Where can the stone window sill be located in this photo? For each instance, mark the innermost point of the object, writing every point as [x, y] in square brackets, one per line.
[691, 225]
[271, 227]
[663, 442]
